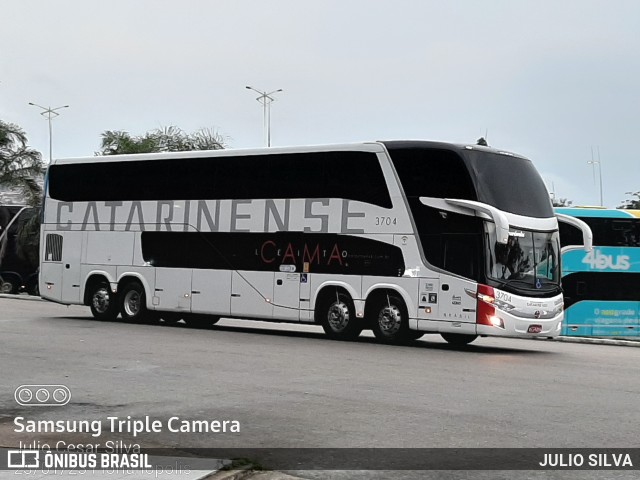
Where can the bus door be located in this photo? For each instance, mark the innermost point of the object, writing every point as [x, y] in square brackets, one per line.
[51, 267]
[60, 267]
[71, 261]
[252, 294]
[460, 256]
[286, 295]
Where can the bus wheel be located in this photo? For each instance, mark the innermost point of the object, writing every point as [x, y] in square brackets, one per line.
[103, 303]
[133, 305]
[390, 320]
[338, 318]
[10, 283]
[458, 339]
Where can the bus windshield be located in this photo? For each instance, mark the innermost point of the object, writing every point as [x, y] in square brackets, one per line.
[529, 259]
[510, 183]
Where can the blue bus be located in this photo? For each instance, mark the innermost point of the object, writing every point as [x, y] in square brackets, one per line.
[601, 287]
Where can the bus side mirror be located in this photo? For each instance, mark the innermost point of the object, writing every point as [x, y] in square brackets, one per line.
[472, 208]
[587, 234]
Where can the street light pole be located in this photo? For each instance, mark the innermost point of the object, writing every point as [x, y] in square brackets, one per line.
[593, 162]
[265, 99]
[49, 113]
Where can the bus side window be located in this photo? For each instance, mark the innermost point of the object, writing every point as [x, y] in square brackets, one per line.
[461, 255]
[581, 289]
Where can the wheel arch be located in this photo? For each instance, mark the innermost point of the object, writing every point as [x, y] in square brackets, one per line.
[93, 278]
[377, 291]
[134, 276]
[328, 289]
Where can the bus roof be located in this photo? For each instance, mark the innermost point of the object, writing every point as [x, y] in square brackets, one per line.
[598, 212]
[371, 146]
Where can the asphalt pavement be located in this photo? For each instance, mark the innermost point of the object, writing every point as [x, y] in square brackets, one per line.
[290, 387]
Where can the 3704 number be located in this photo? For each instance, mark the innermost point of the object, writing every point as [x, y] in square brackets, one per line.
[386, 221]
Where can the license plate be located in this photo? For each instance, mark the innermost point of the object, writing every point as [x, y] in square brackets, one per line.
[534, 329]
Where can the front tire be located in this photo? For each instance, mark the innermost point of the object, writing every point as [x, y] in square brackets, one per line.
[338, 318]
[458, 339]
[103, 302]
[133, 302]
[390, 321]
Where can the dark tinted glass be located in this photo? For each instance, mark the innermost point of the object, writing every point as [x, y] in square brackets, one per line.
[450, 241]
[607, 232]
[509, 183]
[432, 173]
[600, 286]
[351, 175]
[324, 253]
[569, 235]
[10, 260]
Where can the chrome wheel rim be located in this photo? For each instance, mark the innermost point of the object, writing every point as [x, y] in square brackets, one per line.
[101, 300]
[132, 303]
[390, 320]
[338, 316]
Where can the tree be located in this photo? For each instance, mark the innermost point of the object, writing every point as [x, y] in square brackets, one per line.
[20, 165]
[166, 139]
[560, 202]
[632, 203]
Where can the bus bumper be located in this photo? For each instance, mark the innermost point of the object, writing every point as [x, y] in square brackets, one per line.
[512, 326]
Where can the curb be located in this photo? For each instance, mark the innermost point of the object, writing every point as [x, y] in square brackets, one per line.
[600, 341]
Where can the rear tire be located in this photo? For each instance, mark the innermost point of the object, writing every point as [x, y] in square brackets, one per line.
[338, 317]
[133, 302]
[458, 339]
[390, 321]
[103, 302]
[10, 283]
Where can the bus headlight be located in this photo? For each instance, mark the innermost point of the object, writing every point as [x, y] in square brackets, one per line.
[496, 321]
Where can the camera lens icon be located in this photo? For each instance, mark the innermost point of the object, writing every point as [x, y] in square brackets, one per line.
[42, 395]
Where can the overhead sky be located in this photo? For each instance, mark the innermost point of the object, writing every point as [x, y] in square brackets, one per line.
[548, 79]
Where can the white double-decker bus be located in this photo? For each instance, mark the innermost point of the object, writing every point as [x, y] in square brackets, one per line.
[401, 237]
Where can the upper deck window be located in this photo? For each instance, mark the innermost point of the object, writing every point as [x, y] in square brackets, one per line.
[352, 175]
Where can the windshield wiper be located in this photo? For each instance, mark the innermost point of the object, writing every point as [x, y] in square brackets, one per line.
[529, 286]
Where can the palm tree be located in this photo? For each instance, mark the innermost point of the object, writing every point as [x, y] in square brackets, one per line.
[20, 165]
[166, 139]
